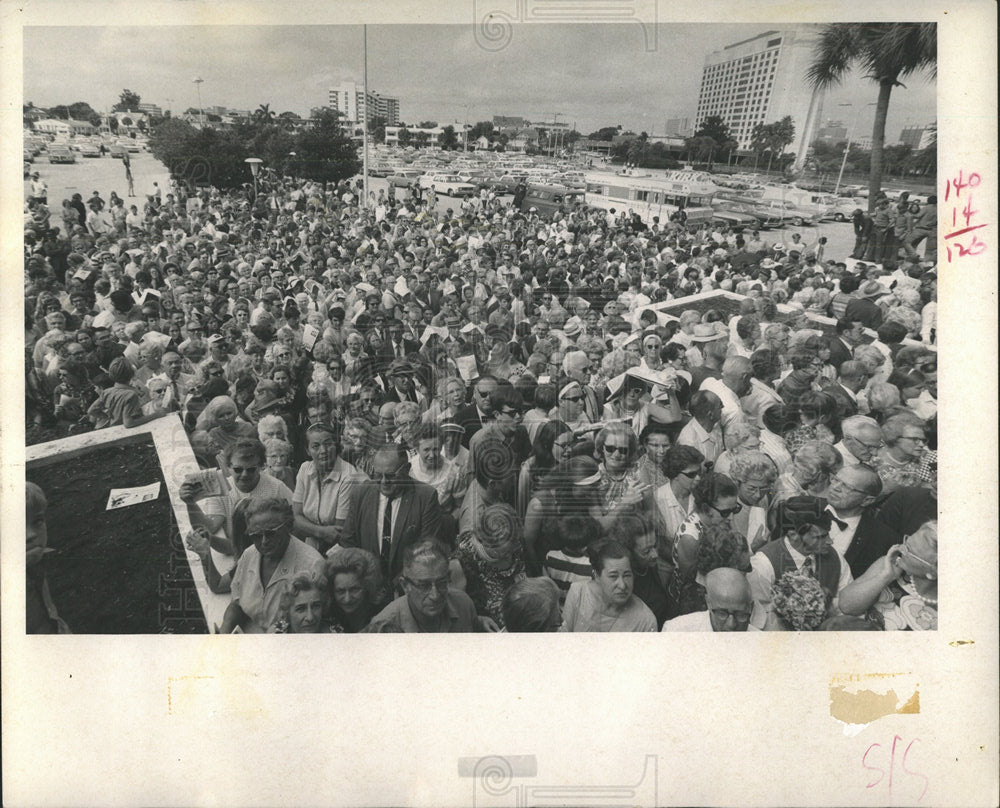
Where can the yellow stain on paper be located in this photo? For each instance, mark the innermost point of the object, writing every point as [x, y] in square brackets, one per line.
[859, 699]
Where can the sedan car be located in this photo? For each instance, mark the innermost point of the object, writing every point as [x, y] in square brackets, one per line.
[61, 154]
[765, 216]
[447, 184]
[405, 177]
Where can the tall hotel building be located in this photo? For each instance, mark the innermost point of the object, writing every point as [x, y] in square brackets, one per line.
[761, 80]
[349, 99]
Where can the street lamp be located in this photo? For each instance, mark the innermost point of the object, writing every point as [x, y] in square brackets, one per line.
[254, 163]
[201, 110]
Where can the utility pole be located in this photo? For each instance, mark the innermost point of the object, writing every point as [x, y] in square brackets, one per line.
[201, 110]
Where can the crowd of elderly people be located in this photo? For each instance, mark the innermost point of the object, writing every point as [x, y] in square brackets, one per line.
[413, 418]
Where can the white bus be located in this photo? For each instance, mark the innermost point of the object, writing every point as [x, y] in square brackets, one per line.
[651, 197]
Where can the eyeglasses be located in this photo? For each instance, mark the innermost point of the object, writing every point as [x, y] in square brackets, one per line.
[424, 587]
[837, 482]
[874, 447]
[692, 475]
[379, 476]
[722, 615]
[917, 438]
[757, 489]
[267, 533]
[727, 512]
[615, 449]
[244, 469]
[511, 413]
[573, 398]
[909, 552]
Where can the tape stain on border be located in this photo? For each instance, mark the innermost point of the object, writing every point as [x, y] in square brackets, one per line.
[857, 699]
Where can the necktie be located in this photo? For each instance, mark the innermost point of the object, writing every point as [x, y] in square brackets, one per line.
[838, 522]
[809, 566]
[386, 537]
[175, 395]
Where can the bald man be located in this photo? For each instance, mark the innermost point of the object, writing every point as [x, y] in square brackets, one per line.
[392, 511]
[730, 606]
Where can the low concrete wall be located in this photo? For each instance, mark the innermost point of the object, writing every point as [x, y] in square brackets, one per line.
[176, 460]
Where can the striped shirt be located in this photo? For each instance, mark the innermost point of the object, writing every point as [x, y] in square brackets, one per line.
[566, 570]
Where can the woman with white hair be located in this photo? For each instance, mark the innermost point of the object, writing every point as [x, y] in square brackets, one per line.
[813, 465]
[900, 461]
[899, 591]
[742, 437]
[219, 426]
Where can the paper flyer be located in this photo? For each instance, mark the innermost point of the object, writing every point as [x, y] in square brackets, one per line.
[123, 497]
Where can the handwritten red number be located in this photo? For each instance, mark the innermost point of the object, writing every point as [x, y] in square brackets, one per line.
[864, 762]
[968, 212]
[958, 184]
[975, 248]
[923, 777]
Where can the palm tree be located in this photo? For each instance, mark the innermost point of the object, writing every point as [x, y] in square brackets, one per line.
[264, 113]
[886, 52]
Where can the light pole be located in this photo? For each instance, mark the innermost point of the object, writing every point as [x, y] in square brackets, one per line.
[465, 130]
[364, 127]
[201, 110]
[847, 148]
[254, 163]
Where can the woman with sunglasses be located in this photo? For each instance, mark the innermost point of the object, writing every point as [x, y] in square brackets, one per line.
[621, 486]
[899, 591]
[570, 403]
[265, 567]
[716, 501]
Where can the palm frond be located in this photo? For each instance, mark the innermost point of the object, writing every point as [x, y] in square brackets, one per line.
[834, 54]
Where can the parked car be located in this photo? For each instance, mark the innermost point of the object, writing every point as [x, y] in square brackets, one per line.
[447, 184]
[61, 154]
[90, 150]
[844, 207]
[118, 152]
[735, 219]
[765, 216]
[405, 177]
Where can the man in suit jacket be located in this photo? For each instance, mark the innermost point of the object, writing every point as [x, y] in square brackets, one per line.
[473, 416]
[392, 511]
[852, 378]
[849, 334]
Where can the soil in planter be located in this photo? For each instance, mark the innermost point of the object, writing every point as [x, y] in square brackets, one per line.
[122, 571]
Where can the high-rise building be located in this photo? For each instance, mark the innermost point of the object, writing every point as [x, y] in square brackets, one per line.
[680, 127]
[832, 132]
[761, 80]
[917, 137]
[349, 100]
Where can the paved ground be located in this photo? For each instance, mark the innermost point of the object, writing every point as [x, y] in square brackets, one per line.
[104, 174]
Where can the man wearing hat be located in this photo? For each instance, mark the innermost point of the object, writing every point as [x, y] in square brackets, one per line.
[863, 309]
[801, 543]
[401, 387]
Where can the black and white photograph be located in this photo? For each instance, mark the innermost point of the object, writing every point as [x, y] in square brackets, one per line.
[535, 319]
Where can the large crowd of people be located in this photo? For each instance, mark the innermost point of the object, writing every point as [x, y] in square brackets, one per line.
[411, 417]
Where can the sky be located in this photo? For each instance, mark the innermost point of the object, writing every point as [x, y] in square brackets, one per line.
[592, 75]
